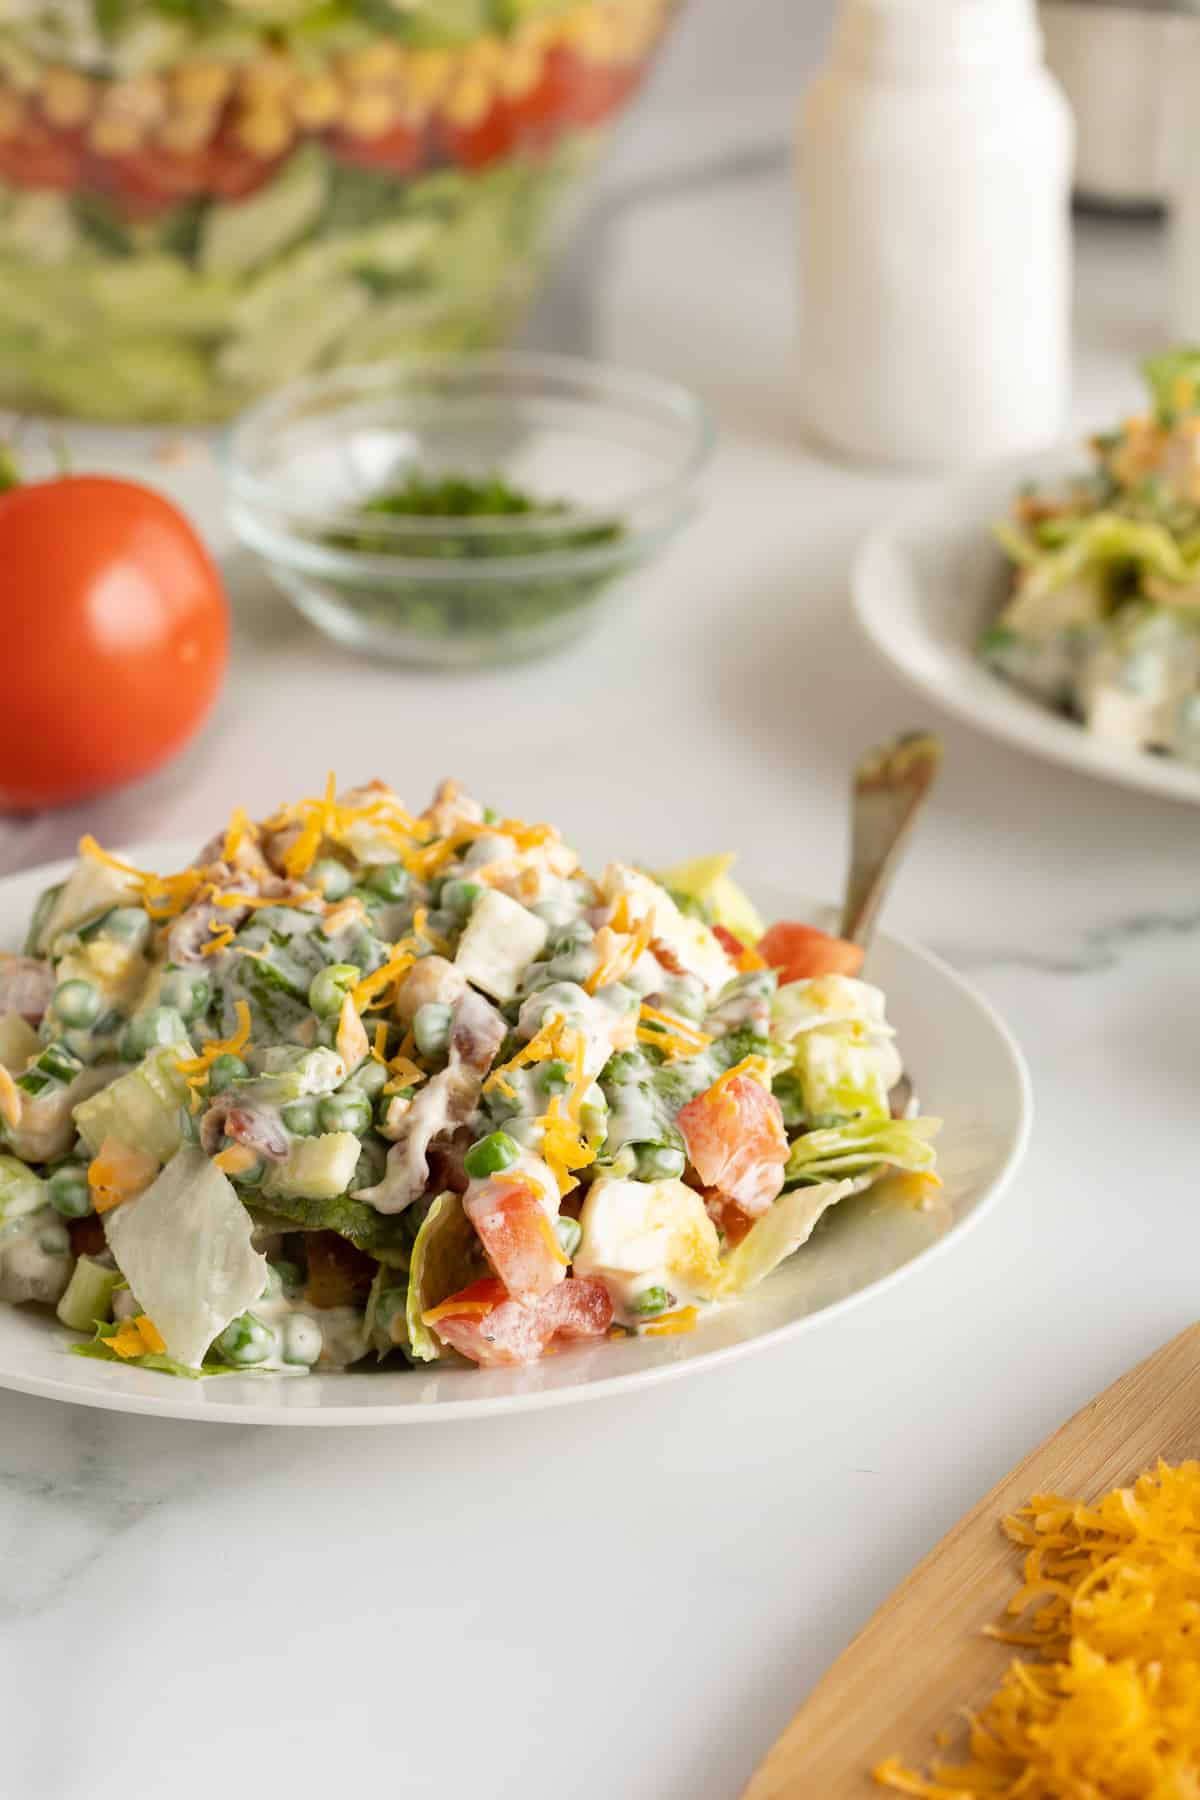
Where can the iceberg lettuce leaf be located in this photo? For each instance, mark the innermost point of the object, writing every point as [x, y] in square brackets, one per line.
[782, 1230]
[862, 1145]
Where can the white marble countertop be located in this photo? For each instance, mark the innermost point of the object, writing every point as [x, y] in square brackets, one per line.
[630, 1598]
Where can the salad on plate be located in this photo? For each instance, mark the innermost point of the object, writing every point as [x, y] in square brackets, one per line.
[360, 1084]
[1103, 618]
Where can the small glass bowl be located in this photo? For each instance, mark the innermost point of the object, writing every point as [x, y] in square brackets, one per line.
[620, 451]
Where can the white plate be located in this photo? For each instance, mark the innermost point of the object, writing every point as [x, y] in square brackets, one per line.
[966, 1068]
[927, 582]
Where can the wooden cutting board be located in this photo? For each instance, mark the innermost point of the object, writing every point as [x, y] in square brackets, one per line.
[923, 1654]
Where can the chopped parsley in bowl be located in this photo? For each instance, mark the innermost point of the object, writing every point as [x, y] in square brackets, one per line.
[469, 510]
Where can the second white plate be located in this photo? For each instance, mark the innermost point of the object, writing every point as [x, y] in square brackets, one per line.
[927, 582]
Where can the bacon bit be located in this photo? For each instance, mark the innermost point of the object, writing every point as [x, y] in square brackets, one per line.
[119, 1172]
[475, 1301]
[672, 1324]
[352, 1041]
[10, 1099]
[137, 1337]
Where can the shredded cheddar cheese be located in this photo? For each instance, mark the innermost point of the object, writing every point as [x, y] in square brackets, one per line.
[235, 1159]
[10, 1099]
[672, 1324]
[754, 1068]
[1111, 1709]
[137, 1337]
[379, 988]
[675, 1037]
[352, 1041]
[236, 832]
[195, 1068]
[550, 1041]
[618, 952]
[119, 1172]
[379, 1043]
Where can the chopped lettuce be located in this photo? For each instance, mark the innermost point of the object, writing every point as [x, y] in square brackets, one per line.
[707, 880]
[1173, 378]
[185, 1247]
[844, 1073]
[862, 1145]
[21, 1191]
[788, 1224]
[388, 1237]
[445, 1258]
[825, 1000]
[100, 1348]
[141, 1107]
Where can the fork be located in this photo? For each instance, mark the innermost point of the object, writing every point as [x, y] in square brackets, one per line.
[891, 783]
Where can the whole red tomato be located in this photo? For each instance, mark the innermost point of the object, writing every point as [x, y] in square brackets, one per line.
[116, 636]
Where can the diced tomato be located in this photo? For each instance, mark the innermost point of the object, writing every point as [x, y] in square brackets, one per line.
[492, 1330]
[736, 1141]
[801, 951]
[475, 146]
[726, 939]
[517, 1235]
[41, 158]
[729, 1218]
[148, 182]
[398, 151]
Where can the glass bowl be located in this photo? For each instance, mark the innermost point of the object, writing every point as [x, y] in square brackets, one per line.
[203, 199]
[618, 453]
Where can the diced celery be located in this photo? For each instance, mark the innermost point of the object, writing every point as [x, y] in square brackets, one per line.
[21, 1191]
[18, 1041]
[317, 1168]
[88, 1299]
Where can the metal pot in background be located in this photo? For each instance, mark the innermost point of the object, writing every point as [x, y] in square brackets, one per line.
[1114, 58]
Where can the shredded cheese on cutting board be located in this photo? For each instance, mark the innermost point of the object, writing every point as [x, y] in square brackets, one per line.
[1110, 1710]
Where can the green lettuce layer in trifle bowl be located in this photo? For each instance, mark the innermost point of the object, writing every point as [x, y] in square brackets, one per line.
[201, 199]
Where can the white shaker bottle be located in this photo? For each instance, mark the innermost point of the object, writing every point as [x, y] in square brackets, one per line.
[934, 162]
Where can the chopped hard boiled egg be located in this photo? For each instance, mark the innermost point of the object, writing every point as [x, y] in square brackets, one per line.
[499, 942]
[689, 941]
[640, 1235]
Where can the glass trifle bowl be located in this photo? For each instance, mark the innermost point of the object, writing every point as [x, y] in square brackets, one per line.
[203, 199]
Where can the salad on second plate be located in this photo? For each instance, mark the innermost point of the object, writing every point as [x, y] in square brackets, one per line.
[1104, 618]
[363, 1084]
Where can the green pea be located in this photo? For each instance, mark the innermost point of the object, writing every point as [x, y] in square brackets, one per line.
[369, 1078]
[329, 987]
[78, 1003]
[225, 1070]
[190, 994]
[130, 924]
[390, 881]
[554, 1077]
[658, 1162]
[569, 1233]
[491, 1155]
[302, 1340]
[459, 897]
[246, 1341]
[347, 1110]
[159, 1025]
[431, 1029]
[651, 1301]
[300, 1116]
[69, 1192]
[330, 878]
